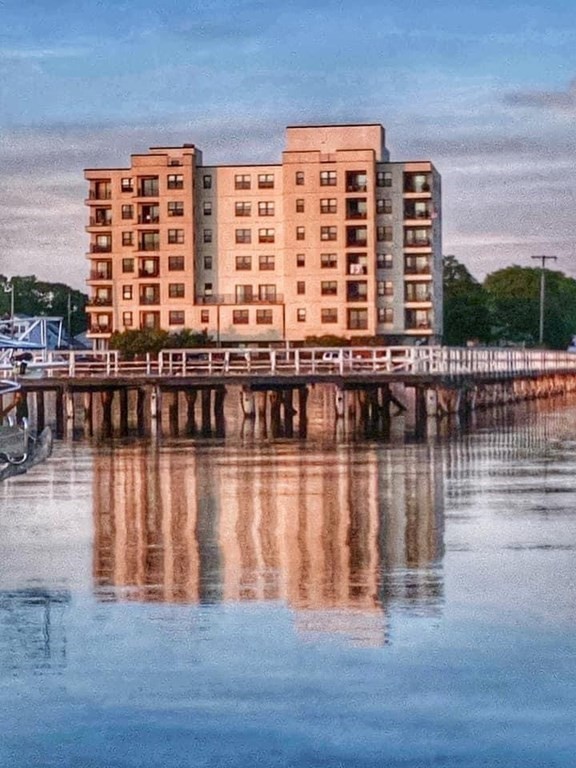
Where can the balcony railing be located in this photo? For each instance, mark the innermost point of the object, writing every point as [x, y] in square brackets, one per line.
[146, 246]
[424, 214]
[100, 275]
[423, 326]
[230, 298]
[356, 215]
[148, 219]
[357, 269]
[101, 328]
[97, 222]
[96, 248]
[423, 243]
[356, 187]
[99, 301]
[149, 272]
[149, 300]
[100, 194]
[417, 269]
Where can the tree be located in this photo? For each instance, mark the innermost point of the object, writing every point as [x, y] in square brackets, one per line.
[133, 343]
[466, 313]
[33, 297]
[514, 299]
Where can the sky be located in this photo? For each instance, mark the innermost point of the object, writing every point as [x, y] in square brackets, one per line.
[485, 89]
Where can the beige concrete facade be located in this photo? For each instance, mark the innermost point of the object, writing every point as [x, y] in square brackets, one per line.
[335, 239]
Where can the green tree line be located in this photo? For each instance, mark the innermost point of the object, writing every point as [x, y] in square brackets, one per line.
[505, 307]
[35, 297]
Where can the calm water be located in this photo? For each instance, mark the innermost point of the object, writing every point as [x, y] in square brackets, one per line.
[284, 603]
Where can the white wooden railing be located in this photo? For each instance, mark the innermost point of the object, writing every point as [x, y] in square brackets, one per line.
[403, 361]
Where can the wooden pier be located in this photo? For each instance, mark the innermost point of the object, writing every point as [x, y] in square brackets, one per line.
[99, 393]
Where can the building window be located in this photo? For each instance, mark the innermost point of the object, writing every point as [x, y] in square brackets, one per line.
[127, 292]
[300, 205]
[242, 181]
[266, 209]
[175, 181]
[329, 288]
[208, 289]
[384, 234]
[127, 238]
[417, 237]
[383, 179]
[300, 233]
[328, 205]
[175, 236]
[266, 235]
[328, 178]
[328, 260]
[149, 186]
[176, 317]
[127, 319]
[244, 294]
[301, 315]
[386, 315]
[126, 185]
[127, 212]
[265, 181]
[240, 316]
[356, 181]
[300, 287]
[207, 182]
[299, 178]
[207, 235]
[328, 315]
[242, 209]
[267, 293]
[176, 290]
[207, 262]
[383, 261]
[300, 260]
[243, 262]
[127, 265]
[266, 262]
[207, 208]
[204, 315]
[244, 236]
[328, 233]
[264, 317]
[357, 319]
[383, 205]
[385, 288]
[175, 263]
[176, 208]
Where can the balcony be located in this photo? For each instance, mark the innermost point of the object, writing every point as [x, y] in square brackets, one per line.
[419, 183]
[357, 269]
[356, 181]
[100, 248]
[149, 219]
[99, 301]
[411, 212]
[94, 329]
[230, 298]
[421, 242]
[357, 291]
[418, 268]
[99, 274]
[149, 245]
[100, 193]
[147, 301]
[417, 294]
[149, 273]
[356, 209]
[356, 237]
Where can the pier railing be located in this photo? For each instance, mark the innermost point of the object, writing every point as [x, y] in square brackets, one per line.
[404, 362]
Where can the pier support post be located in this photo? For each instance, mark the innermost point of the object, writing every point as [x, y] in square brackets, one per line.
[302, 411]
[88, 414]
[340, 403]
[140, 410]
[191, 396]
[420, 412]
[123, 397]
[275, 417]
[206, 402]
[69, 411]
[107, 398]
[219, 397]
[173, 413]
[59, 408]
[247, 403]
[40, 411]
[288, 412]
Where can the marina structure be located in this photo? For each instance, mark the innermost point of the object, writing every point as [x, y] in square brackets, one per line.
[334, 240]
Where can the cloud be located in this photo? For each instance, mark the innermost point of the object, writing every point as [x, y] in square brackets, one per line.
[37, 54]
[554, 100]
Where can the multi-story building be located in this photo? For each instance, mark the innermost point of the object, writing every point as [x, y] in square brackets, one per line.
[335, 240]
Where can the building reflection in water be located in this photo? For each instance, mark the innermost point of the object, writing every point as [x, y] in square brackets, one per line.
[32, 630]
[344, 538]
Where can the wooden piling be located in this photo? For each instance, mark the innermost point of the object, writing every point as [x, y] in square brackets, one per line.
[123, 398]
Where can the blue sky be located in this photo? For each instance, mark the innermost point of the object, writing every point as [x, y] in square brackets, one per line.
[486, 90]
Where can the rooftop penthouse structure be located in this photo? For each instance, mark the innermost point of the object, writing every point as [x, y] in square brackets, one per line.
[334, 240]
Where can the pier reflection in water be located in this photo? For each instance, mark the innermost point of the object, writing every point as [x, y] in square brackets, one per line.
[340, 542]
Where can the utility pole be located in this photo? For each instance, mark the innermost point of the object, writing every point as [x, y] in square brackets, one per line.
[543, 260]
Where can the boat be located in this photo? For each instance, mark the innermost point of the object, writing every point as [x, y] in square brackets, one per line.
[20, 448]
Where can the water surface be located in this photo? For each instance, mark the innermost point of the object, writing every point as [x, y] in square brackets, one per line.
[330, 602]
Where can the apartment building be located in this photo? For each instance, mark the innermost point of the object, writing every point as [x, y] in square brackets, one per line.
[336, 239]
